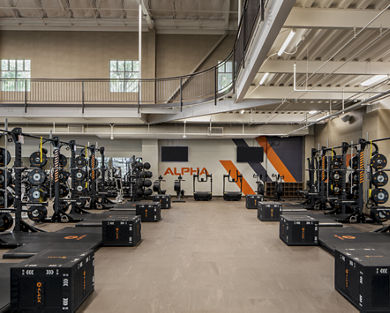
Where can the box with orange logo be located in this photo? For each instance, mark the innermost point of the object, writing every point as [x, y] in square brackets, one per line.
[52, 281]
[269, 211]
[362, 276]
[121, 231]
[149, 211]
[165, 200]
[298, 230]
[252, 201]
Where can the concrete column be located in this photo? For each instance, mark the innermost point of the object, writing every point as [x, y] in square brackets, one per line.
[150, 154]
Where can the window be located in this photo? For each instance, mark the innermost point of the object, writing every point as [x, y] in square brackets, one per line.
[122, 163]
[15, 75]
[225, 75]
[122, 74]
[106, 161]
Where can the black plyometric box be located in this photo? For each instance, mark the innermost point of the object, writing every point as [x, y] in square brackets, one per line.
[165, 201]
[52, 281]
[121, 231]
[363, 277]
[268, 211]
[149, 211]
[253, 200]
[298, 230]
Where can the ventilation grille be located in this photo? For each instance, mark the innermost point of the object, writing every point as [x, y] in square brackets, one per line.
[215, 130]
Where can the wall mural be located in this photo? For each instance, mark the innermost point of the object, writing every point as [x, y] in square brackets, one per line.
[282, 156]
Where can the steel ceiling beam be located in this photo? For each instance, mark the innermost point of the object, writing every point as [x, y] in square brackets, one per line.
[65, 6]
[350, 68]
[15, 11]
[209, 108]
[268, 92]
[178, 26]
[41, 8]
[263, 37]
[335, 18]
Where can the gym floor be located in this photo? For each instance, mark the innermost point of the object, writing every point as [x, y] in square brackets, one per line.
[213, 257]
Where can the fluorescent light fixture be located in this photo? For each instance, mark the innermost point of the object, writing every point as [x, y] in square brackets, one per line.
[262, 80]
[373, 80]
[313, 112]
[242, 111]
[286, 42]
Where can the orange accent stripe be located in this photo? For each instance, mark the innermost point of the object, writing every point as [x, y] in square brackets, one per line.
[348, 158]
[275, 160]
[229, 166]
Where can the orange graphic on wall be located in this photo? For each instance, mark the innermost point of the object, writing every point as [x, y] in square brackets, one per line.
[185, 170]
[277, 163]
[229, 166]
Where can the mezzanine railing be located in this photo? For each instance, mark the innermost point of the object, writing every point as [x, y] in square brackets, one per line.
[202, 86]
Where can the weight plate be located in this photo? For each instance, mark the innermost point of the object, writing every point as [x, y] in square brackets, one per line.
[6, 221]
[80, 187]
[63, 176]
[380, 179]
[146, 165]
[3, 182]
[35, 159]
[80, 203]
[336, 189]
[37, 194]
[336, 175]
[378, 161]
[80, 174]
[337, 162]
[80, 161]
[148, 192]
[354, 163]
[63, 160]
[354, 178]
[64, 190]
[37, 213]
[36, 177]
[380, 195]
[2, 199]
[5, 157]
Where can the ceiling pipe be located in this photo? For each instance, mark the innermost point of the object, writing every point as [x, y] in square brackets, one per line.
[327, 90]
[338, 113]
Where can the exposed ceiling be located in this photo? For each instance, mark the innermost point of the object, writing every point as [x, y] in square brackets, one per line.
[336, 46]
[164, 16]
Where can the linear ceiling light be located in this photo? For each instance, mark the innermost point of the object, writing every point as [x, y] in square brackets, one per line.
[313, 112]
[262, 80]
[286, 42]
[373, 80]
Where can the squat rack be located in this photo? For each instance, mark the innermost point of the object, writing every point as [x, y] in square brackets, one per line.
[17, 136]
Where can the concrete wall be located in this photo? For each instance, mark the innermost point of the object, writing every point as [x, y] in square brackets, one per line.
[87, 54]
[179, 54]
[336, 131]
